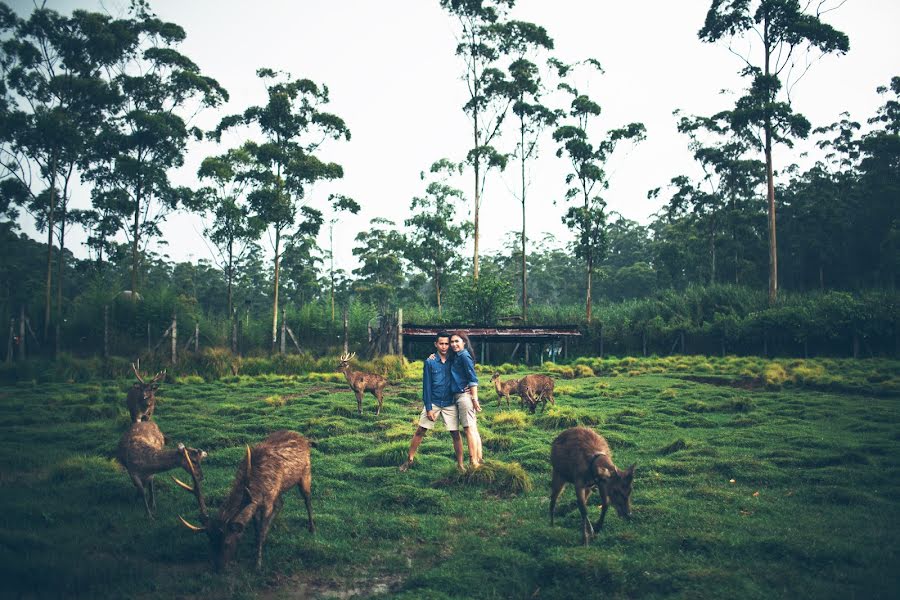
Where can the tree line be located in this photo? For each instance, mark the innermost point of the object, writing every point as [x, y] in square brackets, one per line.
[110, 102]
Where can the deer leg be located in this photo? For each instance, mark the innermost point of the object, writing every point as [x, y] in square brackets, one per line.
[587, 530]
[556, 488]
[379, 395]
[265, 524]
[359, 396]
[142, 492]
[152, 493]
[304, 487]
[603, 506]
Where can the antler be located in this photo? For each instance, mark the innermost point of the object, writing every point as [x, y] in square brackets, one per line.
[196, 490]
[136, 374]
[345, 357]
[248, 463]
[158, 376]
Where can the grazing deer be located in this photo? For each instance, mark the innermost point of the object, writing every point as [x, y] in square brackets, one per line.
[143, 454]
[504, 388]
[361, 383]
[141, 399]
[536, 388]
[582, 457]
[271, 468]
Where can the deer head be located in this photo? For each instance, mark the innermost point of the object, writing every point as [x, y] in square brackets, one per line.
[223, 530]
[345, 361]
[148, 388]
[618, 485]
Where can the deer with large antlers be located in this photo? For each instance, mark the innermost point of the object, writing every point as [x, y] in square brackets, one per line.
[142, 452]
[141, 398]
[271, 468]
[536, 388]
[361, 383]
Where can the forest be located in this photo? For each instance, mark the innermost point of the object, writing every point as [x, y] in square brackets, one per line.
[106, 102]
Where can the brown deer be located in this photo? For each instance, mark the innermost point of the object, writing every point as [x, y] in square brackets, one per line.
[536, 388]
[271, 468]
[504, 388]
[582, 457]
[141, 398]
[361, 383]
[142, 452]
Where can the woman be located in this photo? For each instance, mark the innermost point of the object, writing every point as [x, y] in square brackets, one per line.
[464, 385]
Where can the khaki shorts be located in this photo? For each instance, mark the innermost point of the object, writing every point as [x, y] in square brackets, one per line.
[448, 414]
[466, 409]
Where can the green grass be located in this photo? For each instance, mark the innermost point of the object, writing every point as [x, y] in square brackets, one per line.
[781, 488]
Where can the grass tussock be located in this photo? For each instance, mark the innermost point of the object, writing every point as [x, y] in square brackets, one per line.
[387, 455]
[512, 420]
[563, 417]
[503, 479]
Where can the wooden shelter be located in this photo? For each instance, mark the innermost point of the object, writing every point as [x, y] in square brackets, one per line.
[542, 335]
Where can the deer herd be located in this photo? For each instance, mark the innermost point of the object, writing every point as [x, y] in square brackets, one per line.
[281, 461]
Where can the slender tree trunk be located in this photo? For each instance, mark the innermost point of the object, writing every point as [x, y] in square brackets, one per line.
[588, 300]
[275, 301]
[477, 165]
[230, 276]
[437, 291]
[60, 268]
[346, 332]
[331, 269]
[524, 256]
[134, 245]
[770, 185]
[50, 224]
[712, 252]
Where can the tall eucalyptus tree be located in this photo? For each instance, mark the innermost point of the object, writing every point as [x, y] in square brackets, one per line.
[283, 164]
[790, 35]
[588, 176]
[479, 41]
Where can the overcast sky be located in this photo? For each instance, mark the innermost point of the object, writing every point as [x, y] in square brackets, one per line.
[394, 79]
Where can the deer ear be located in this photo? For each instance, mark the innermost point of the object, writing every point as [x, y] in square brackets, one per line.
[203, 454]
[629, 474]
[180, 446]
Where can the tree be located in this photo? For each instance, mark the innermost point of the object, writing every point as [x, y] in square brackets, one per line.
[380, 251]
[53, 65]
[434, 239]
[339, 203]
[479, 40]
[787, 32]
[525, 89]
[144, 137]
[481, 301]
[285, 164]
[588, 176]
[232, 228]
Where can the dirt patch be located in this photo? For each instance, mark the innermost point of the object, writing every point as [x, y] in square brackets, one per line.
[301, 587]
[742, 384]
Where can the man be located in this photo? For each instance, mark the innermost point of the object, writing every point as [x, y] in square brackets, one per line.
[438, 401]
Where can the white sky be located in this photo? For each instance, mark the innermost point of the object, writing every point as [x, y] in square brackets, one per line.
[394, 78]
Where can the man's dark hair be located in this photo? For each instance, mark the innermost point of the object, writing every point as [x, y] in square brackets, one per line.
[441, 334]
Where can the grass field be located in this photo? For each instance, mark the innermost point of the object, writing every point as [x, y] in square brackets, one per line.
[741, 491]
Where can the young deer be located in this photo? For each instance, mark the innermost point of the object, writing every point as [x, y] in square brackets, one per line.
[536, 388]
[582, 457]
[271, 468]
[141, 398]
[504, 388]
[143, 454]
[361, 383]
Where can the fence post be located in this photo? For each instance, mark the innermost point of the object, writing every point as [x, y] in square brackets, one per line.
[174, 338]
[22, 332]
[9, 342]
[346, 332]
[106, 331]
[197, 337]
[283, 334]
[234, 331]
[400, 331]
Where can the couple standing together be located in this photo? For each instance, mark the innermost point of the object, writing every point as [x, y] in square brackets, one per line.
[450, 390]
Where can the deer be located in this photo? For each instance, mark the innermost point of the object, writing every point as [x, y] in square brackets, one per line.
[141, 398]
[536, 388]
[142, 452]
[582, 457]
[504, 388]
[269, 469]
[361, 383]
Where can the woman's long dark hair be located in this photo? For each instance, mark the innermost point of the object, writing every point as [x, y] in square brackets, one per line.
[465, 338]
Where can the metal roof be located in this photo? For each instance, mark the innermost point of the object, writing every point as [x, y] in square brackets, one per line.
[498, 333]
